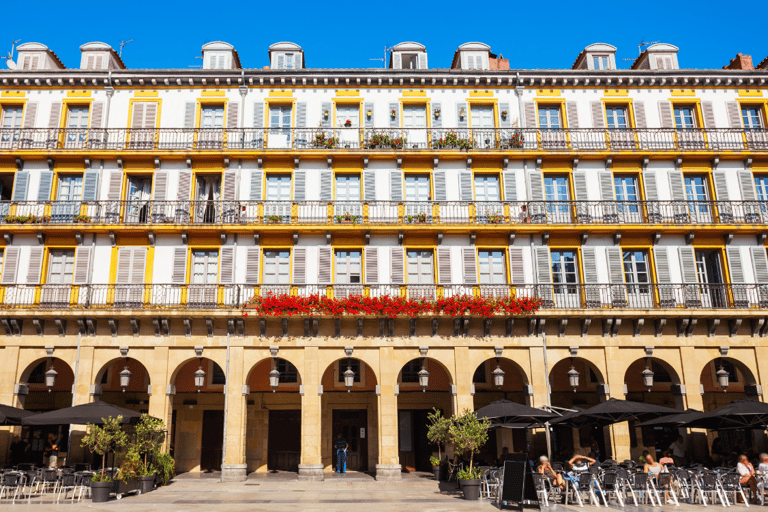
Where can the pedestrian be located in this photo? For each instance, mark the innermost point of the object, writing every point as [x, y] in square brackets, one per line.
[679, 452]
[52, 450]
[341, 446]
[18, 450]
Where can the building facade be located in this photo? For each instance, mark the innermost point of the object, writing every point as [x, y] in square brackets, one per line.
[143, 210]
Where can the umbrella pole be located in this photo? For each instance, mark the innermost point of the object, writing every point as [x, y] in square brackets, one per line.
[549, 395]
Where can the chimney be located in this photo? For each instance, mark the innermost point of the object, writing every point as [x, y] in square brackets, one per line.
[740, 62]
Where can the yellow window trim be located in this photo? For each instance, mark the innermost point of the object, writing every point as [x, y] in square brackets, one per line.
[548, 92]
[616, 92]
[204, 102]
[347, 92]
[484, 102]
[78, 94]
[288, 248]
[14, 94]
[146, 94]
[274, 94]
[133, 101]
[416, 101]
[750, 92]
[620, 101]
[695, 102]
[560, 102]
[213, 93]
[415, 93]
[683, 92]
[79, 102]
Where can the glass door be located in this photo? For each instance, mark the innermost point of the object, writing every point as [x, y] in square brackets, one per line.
[279, 126]
[208, 204]
[617, 122]
[205, 274]
[628, 205]
[557, 195]
[418, 207]
[688, 134]
[348, 121]
[697, 193]
[421, 274]
[415, 124]
[139, 194]
[348, 273]
[483, 126]
[488, 199]
[211, 127]
[551, 128]
[57, 290]
[277, 207]
[754, 125]
[67, 204]
[565, 275]
[637, 279]
[11, 126]
[709, 273]
[77, 126]
[348, 204]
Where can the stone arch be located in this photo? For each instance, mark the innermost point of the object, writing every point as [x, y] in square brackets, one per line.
[64, 380]
[558, 375]
[439, 375]
[665, 374]
[183, 376]
[110, 371]
[444, 357]
[745, 376]
[332, 377]
[257, 377]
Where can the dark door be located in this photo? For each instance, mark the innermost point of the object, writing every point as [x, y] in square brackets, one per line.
[284, 447]
[213, 438]
[353, 425]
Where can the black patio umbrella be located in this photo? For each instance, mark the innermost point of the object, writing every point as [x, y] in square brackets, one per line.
[94, 413]
[504, 413]
[12, 415]
[737, 414]
[673, 420]
[612, 411]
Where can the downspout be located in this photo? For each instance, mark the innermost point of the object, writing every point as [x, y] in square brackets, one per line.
[110, 91]
[226, 408]
[519, 93]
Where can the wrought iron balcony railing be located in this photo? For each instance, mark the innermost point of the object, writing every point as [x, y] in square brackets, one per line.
[382, 139]
[553, 296]
[134, 213]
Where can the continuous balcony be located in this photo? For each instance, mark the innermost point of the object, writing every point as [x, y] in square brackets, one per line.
[506, 140]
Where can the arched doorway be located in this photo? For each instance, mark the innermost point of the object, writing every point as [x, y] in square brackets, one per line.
[111, 377]
[273, 425]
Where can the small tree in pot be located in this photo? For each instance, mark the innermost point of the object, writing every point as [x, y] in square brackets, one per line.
[103, 439]
[439, 433]
[148, 443]
[469, 435]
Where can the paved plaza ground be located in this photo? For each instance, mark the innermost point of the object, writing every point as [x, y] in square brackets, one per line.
[283, 492]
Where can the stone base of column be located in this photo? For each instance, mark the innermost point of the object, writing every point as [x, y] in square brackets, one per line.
[388, 472]
[311, 472]
[234, 472]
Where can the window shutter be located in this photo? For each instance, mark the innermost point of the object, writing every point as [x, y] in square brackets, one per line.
[185, 185]
[606, 185]
[394, 121]
[760, 263]
[150, 115]
[580, 185]
[735, 265]
[324, 264]
[676, 186]
[470, 62]
[115, 186]
[734, 116]
[161, 186]
[326, 185]
[256, 185]
[258, 115]
[35, 265]
[444, 265]
[747, 185]
[504, 123]
[229, 185]
[20, 186]
[134, 265]
[465, 186]
[227, 275]
[90, 185]
[280, 62]
[232, 115]
[35, 63]
[688, 265]
[721, 185]
[397, 265]
[396, 185]
[422, 61]
[708, 113]
[516, 265]
[300, 265]
[572, 108]
[536, 184]
[10, 264]
[301, 114]
[529, 109]
[661, 259]
[510, 185]
[369, 185]
[252, 264]
[179, 273]
[189, 114]
[397, 61]
[650, 186]
[89, 62]
[665, 114]
[437, 122]
[138, 115]
[441, 193]
[123, 271]
[462, 122]
[371, 265]
[639, 108]
[598, 119]
[53, 120]
[469, 259]
[368, 120]
[299, 185]
[543, 265]
[589, 261]
[97, 114]
[615, 264]
[46, 182]
[326, 122]
[30, 115]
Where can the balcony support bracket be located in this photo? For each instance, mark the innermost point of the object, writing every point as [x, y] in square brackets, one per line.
[678, 163]
[712, 325]
[761, 238]
[39, 324]
[656, 237]
[295, 238]
[689, 238]
[113, 238]
[135, 325]
[764, 330]
[472, 237]
[545, 238]
[390, 327]
[617, 238]
[728, 238]
[61, 325]
[584, 237]
[382, 327]
[456, 326]
[19, 163]
[7, 325]
[184, 237]
[327, 238]
[112, 322]
[223, 236]
[51, 163]
[151, 237]
[682, 326]
[307, 327]
[187, 327]
[435, 324]
[607, 325]
[8, 237]
[284, 324]
[757, 326]
[440, 237]
[156, 323]
[411, 327]
[715, 163]
[41, 238]
[733, 326]
[585, 323]
[487, 325]
[659, 325]
[360, 327]
[367, 238]
[336, 327]
[508, 324]
[637, 326]
[748, 163]
[399, 238]
[315, 326]
[691, 325]
[562, 324]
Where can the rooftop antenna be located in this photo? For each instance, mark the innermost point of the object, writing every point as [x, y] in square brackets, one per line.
[122, 45]
[643, 43]
[9, 59]
[195, 66]
[384, 60]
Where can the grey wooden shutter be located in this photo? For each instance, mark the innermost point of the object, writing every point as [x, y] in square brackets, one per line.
[326, 122]
[589, 262]
[465, 185]
[227, 272]
[580, 186]
[179, 271]
[650, 186]
[396, 185]
[82, 265]
[281, 62]
[688, 265]
[324, 264]
[543, 265]
[150, 115]
[397, 265]
[469, 263]
[661, 259]
[510, 185]
[115, 186]
[368, 106]
[463, 122]
[437, 122]
[10, 264]
[301, 114]
[677, 185]
[760, 264]
[55, 117]
[185, 185]
[640, 120]
[252, 264]
[258, 115]
[369, 185]
[299, 185]
[444, 265]
[233, 109]
[90, 185]
[229, 185]
[44, 189]
[708, 112]
[300, 265]
[572, 108]
[189, 114]
[397, 61]
[160, 192]
[371, 265]
[734, 116]
[97, 114]
[394, 122]
[735, 265]
[504, 123]
[747, 185]
[721, 185]
[137, 120]
[441, 193]
[30, 115]
[326, 185]
[536, 185]
[598, 119]
[529, 109]
[20, 186]
[422, 60]
[516, 265]
[256, 185]
[89, 62]
[470, 62]
[606, 185]
[35, 265]
[665, 114]
[615, 264]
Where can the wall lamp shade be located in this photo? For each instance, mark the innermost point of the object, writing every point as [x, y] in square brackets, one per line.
[723, 378]
[199, 378]
[50, 378]
[125, 378]
[498, 376]
[423, 378]
[349, 378]
[648, 378]
[274, 379]
[573, 378]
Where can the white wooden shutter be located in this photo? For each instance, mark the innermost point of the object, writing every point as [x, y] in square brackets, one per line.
[326, 185]
[665, 114]
[437, 122]
[543, 265]
[227, 268]
[397, 265]
[536, 185]
[252, 255]
[369, 185]
[615, 264]
[607, 191]
[760, 264]
[30, 115]
[396, 185]
[90, 185]
[510, 185]
[516, 265]
[469, 261]
[326, 122]
[185, 185]
[137, 120]
[97, 114]
[301, 114]
[529, 109]
[258, 115]
[233, 108]
[688, 265]
[735, 266]
[20, 186]
[179, 272]
[160, 191]
[422, 60]
[676, 185]
[721, 185]
[35, 265]
[444, 265]
[300, 265]
[394, 122]
[44, 189]
[138, 265]
[708, 112]
[10, 264]
[747, 185]
[55, 117]
[441, 193]
[504, 123]
[371, 265]
[589, 262]
[324, 264]
[598, 119]
[465, 186]
[572, 109]
[229, 185]
[580, 186]
[124, 267]
[82, 265]
[640, 120]
[190, 109]
[734, 115]
[299, 185]
[651, 186]
[661, 259]
[115, 186]
[89, 62]
[256, 185]
[150, 114]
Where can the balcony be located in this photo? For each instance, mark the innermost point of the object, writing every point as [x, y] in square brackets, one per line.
[383, 213]
[503, 140]
[166, 297]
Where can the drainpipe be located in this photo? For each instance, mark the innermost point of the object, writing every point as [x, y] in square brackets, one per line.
[110, 92]
[226, 408]
[549, 393]
[519, 92]
[74, 394]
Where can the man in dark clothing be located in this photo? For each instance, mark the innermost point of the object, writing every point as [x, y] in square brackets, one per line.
[341, 446]
[18, 451]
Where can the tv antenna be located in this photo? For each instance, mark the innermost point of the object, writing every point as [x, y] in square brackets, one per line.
[384, 59]
[199, 65]
[122, 45]
[643, 43]
[9, 58]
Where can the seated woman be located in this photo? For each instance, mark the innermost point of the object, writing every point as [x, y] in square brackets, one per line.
[652, 467]
[545, 468]
[747, 473]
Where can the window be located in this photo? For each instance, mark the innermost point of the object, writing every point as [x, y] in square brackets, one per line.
[482, 116]
[411, 371]
[761, 187]
[11, 123]
[414, 116]
[685, 116]
[348, 187]
[564, 267]
[77, 122]
[636, 267]
[479, 376]
[30, 62]
[280, 116]
[626, 188]
[348, 267]
[409, 61]
[217, 375]
[212, 116]
[556, 188]
[289, 57]
[279, 187]
[492, 267]
[696, 188]
[487, 188]
[347, 113]
[61, 266]
[600, 62]
[70, 188]
[421, 269]
[205, 267]
[751, 116]
[288, 373]
[549, 117]
[277, 267]
[417, 187]
[708, 268]
[353, 364]
[616, 118]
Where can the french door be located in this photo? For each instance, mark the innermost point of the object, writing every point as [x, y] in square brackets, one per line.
[348, 196]
[415, 124]
[418, 207]
[277, 207]
[348, 121]
[205, 274]
[68, 199]
[280, 126]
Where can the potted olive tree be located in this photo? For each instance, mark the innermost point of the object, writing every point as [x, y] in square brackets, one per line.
[439, 434]
[103, 439]
[148, 443]
[469, 434]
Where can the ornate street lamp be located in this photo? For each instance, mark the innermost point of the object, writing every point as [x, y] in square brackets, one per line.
[199, 378]
[648, 377]
[573, 378]
[423, 378]
[50, 378]
[125, 378]
[349, 378]
[498, 375]
[274, 379]
[722, 378]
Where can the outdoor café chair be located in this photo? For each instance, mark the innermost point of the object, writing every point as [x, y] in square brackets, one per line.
[664, 482]
[612, 485]
[12, 482]
[69, 482]
[641, 484]
[543, 488]
[584, 488]
[732, 486]
[48, 480]
[709, 483]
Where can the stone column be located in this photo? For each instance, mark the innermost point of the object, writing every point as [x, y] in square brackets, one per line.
[159, 401]
[697, 442]
[464, 399]
[82, 395]
[615, 380]
[311, 466]
[7, 384]
[234, 468]
[388, 467]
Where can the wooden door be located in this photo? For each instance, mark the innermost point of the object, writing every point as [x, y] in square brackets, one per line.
[284, 446]
[353, 425]
[212, 440]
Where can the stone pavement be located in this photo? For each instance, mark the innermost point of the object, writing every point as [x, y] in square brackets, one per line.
[283, 492]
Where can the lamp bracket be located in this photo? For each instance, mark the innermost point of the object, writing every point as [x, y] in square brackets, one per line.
[649, 351]
[199, 352]
[49, 351]
[574, 351]
[498, 351]
[273, 351]
[348, 351]
[423, 351]
[723, 351]
[124, 351]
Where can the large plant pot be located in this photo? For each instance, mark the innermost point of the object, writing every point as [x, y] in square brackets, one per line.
[120, 488]
[436, 472]
[471, 489]
[100, 491]
[147, 483]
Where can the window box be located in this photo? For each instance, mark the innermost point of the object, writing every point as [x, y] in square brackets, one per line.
[347, 218]
[452, 141]
[321, 141]
[81, 219]
[419, 218]
[25, 219]
[273, 219]
[495, 219]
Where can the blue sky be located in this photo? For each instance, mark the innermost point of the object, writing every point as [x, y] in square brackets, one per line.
[344, 34]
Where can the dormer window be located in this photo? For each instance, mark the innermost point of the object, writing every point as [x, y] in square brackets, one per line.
[410, 61]
[289, 61]
[664, 62]
[220, 55]
[600, 62]
[286, 55]
[408, 55]
[30, 62]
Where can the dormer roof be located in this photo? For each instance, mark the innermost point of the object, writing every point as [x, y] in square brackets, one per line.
[54, 61]
[472, 46]
[277, 55]
[220, 46]
[410, 47]
[97, 46]
[582, 60]
[665, 53]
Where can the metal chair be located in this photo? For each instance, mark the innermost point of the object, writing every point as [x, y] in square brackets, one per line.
[664, 482]
[584, 487]
[541, 485]
[12, 482]
[612, 484]
[732, 485]
[48, 480]
[709, 483]
[69, 482]
[641, 484]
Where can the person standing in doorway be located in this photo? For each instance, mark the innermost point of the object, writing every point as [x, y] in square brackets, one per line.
[52, 450]
[341, 446]
[18, 451]
[679, 452]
